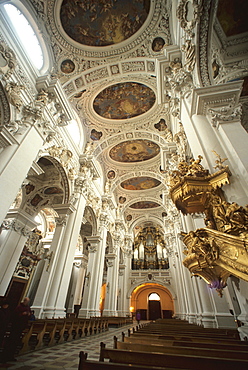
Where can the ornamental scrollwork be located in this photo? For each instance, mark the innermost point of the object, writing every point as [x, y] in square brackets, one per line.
[15, 225]
[220, 249]
[225, 114]
[11, 61]
[189, 13]
[13, 91]
[61, 221]
[64, 155]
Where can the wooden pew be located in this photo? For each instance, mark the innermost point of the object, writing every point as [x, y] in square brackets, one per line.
[49, 336]
[239, 346]
[85, 364]
[82, 327]
[191, 351]
[187, 337]
[170, 360]
[34, 337]
[118, 321]
[164, 329]
[60, 329]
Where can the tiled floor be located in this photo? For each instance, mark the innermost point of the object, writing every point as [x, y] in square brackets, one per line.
[65, 356]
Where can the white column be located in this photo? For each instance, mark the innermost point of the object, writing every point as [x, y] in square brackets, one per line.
[191, 314]
[15, 162]
[235, 139]
[93, 284]
[79, 267]
[12, 240]
[57, 296]
[124, 297]
[208, 316]
[49, 277]
[223, 317]
[110, 304]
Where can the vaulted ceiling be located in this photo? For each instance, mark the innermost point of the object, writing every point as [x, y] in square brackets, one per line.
[107, 59]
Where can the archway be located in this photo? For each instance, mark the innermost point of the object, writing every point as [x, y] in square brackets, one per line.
[154, 307]
[151, 309]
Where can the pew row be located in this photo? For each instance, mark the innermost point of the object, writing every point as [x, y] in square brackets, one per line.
[49, 332]
[187, 337]
[179, 361]
[239, 346]
[177, 350]
[85, 364]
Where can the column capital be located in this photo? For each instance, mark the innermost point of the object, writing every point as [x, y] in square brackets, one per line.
[64, 209]
[94, 242]
[20, 217]
[215, 96]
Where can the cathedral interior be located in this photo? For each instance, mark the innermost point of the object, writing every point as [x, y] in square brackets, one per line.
[123, 158]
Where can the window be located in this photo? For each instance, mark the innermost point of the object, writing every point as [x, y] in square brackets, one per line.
[26, 35]
[154, 297]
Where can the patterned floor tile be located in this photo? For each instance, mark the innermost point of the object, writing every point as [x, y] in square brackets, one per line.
[66, 356]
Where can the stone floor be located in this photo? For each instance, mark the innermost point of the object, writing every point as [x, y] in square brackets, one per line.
[66, 356]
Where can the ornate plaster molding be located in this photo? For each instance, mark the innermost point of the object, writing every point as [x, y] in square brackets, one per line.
[17, 226]
[63, 42]
[189, 13]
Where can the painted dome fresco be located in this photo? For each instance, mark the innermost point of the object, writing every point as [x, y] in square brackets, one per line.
[144, 204]
[103, 22]
[134, 151]
[140, 183]
[124, 100]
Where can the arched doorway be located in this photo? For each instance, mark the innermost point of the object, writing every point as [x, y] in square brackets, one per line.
[154, 307]
[153, 301]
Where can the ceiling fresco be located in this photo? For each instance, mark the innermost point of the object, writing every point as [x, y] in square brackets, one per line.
[144, 205]
[124, 100]
[232, 15]
[134, 151]
[103, 22]
[140, 183]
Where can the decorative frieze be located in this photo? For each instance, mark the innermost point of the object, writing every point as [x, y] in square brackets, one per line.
[16, 225]
[138, 66]
[97, 75]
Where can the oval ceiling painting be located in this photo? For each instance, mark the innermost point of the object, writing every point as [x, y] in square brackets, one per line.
[103, 22]
[144, 205]
[134, 151]
[124, 100]
[140, 183]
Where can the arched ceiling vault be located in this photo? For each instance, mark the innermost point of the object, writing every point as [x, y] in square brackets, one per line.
[107, 66]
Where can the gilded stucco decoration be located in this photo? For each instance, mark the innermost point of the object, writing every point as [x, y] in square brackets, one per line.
[103, 23]
[134, 151]
[124, 100]
[220, 249]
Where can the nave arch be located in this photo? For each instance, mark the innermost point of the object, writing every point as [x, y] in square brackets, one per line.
[139, 299]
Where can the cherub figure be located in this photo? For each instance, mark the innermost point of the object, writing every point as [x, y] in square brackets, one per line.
[219, 161]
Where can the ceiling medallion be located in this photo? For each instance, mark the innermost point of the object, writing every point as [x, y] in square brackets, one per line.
[134, 151]
[67, 66]
[124, 100]
[103, 23]
[140, 183]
